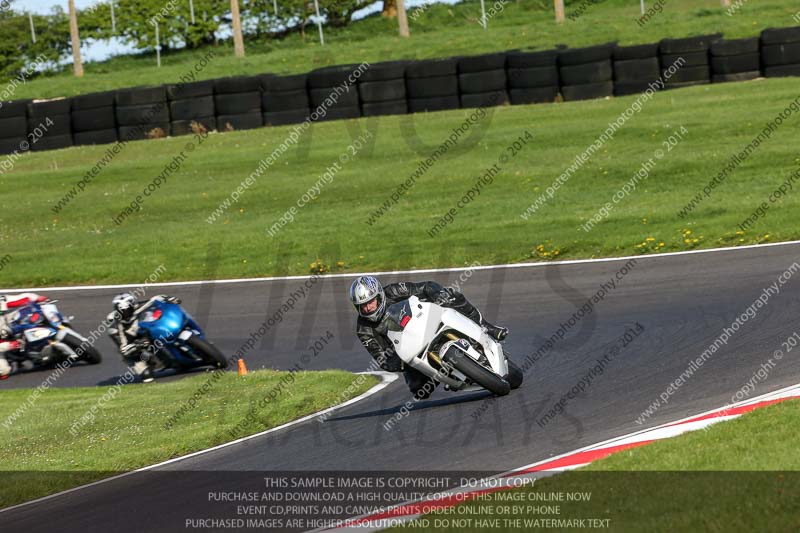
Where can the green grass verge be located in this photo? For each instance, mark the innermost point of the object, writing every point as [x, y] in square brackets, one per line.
[731, 477]
[439, 31]
[43, 455]
[83, 245]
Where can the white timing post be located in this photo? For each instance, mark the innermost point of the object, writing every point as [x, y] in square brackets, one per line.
[319, 23]
[33, 30]
[275, 6]
[191, 10]
[113, 18]
[642, 1]
[158, 47]
[483, 14]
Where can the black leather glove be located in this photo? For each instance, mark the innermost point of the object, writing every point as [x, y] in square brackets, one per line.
[445, 297]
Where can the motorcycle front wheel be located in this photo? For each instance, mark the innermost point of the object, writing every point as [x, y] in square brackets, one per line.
[515, 375]
[208, 352]
[477, 373]
[88, 353]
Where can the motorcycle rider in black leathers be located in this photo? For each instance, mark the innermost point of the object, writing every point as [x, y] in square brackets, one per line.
[371, 299]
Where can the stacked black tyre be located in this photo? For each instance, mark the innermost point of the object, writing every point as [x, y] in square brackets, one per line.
[482, 80]
[382, 89]
[586, 72]
[780, 52]
[237, 102]
[13, 127]
[142, 113]
[284, 99]
[636, 68]
[191, 107]
[685, 62]
[333, 93]
[735, 60]
[532, 76]
[94, 119]
[432, 85]
[50, 124]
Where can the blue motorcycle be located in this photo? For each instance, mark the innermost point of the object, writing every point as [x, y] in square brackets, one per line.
[175, 340]
[47, 338]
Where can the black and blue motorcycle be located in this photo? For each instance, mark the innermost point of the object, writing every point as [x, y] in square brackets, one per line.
[175, 340]
[47, 338]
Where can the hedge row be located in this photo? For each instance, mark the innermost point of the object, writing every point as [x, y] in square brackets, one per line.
[399, 87]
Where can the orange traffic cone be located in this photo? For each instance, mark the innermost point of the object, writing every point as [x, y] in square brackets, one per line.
[242, 367]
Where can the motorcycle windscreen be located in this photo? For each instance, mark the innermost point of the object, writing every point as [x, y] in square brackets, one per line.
[169, 323]
[52, 314]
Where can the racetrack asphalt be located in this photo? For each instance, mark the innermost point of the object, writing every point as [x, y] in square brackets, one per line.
[681, 303]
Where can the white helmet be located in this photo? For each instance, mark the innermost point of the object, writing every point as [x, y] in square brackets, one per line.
[124, 305]
[363, 292]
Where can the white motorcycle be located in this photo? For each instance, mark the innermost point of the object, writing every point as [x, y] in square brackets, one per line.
[449, 347]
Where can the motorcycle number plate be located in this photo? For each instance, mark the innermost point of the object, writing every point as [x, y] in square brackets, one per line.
[37, 334]
[185, 334]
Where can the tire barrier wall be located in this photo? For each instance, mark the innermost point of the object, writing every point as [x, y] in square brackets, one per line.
[394, 88]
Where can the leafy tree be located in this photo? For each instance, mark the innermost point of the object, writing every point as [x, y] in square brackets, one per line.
[294, 15]
[16, 49]
[134, 27]
[135, 22]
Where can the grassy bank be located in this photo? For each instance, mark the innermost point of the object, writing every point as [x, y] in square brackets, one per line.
[437, 31]
[54, 444]
[740, 475]
[82, 244]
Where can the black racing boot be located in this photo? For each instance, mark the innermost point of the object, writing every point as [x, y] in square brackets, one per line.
[498, 333]
[420, 385]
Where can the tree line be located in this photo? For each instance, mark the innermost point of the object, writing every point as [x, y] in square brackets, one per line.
[177, 28]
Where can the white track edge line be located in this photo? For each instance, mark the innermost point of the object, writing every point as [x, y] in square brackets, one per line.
[419, 271]
[387, 378]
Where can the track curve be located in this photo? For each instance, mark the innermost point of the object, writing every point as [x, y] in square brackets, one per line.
[682, 302]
